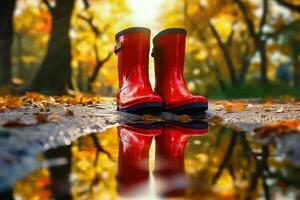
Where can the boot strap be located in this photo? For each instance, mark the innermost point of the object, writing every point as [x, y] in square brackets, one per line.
[117, 47]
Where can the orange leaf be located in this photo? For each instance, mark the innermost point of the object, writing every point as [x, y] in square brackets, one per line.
[267, 105]
[234, 107]
[13, 102]
[35, 96]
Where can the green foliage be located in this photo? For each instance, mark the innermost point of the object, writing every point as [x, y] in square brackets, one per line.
[255, 90]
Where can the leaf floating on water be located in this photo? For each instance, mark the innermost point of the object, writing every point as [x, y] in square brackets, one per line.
[184, 118]
[150, 118]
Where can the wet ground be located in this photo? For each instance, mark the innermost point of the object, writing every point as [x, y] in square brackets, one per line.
[191, 160]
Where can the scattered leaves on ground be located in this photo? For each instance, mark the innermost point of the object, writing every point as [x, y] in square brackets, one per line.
[42, 101]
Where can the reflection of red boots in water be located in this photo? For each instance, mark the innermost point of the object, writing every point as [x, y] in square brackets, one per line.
[133, 163]
[169, 158]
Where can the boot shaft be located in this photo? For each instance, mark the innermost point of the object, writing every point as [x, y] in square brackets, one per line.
[169, 53]
[132, 50]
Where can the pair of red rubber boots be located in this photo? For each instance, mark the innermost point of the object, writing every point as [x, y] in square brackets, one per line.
[171, 93]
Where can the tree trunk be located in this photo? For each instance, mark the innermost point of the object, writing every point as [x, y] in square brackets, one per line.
[6, 37]
[226, 55]
[60, 174]
[54, 75]
[261, 47]
[296, 63]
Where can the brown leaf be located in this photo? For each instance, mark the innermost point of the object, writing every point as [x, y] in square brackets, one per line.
[13, 102]
[2, 109]
[216, 120]
[41, 118]
[70, 112]
[34, 96]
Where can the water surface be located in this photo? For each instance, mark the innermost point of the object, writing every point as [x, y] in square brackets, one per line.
[158, 161]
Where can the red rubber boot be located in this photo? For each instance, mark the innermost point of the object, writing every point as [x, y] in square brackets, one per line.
[133, 163]
[135, 93]
[169, 158]
[168, 53]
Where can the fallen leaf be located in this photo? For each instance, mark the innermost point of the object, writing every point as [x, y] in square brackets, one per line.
[41, 118]
[279, 128]
[216, 120]
[234, 106]
[34, 96]
[53, 118]
[2, 109]
[267, 105]
[12, 102]
[70, 112]
[279, 110]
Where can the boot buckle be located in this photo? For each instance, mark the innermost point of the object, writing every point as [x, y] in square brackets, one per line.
[117, 47]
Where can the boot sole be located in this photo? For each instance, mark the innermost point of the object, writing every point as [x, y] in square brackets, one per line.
[192, 109]
[144, 108]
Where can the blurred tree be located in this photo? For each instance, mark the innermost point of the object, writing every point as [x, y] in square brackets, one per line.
[237, 40]
[6, 38]
[54, 75]
[97, 34]
[257, 36]
[93, 28]
[289, 5]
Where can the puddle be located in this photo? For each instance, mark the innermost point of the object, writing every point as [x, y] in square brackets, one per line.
[156, 161]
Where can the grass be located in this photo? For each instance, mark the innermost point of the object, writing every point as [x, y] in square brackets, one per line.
[255, 90]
